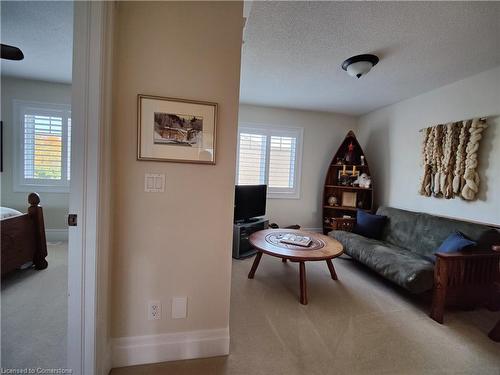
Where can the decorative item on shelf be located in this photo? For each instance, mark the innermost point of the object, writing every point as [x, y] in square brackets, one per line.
[339, 161]
[333, 201]
[362, 160]
[363, 181]
[347, 176]
[326, 221]
[350, 157]
[349, 199]
[345, 224]
[360, 204]
[343, 179]
[344, 170]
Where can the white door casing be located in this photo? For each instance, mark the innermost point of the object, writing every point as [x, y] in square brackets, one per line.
[90, 116]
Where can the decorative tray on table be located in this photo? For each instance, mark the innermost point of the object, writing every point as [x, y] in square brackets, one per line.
[293, 239]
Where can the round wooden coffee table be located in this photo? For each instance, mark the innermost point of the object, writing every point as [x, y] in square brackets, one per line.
[322, 248]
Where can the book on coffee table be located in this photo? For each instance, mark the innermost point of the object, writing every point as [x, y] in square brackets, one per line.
[293, 239]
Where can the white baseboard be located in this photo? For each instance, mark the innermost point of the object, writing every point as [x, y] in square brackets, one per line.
[54, 235]
[128, 351]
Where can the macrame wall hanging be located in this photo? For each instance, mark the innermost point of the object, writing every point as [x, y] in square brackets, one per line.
[449, 156]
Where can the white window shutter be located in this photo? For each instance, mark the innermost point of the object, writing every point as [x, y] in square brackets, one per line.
[282, 162]
[270, 155]
[252, 159]
[43, 147]
[68, 147]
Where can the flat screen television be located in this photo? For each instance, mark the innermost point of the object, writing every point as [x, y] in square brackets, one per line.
[249, 202]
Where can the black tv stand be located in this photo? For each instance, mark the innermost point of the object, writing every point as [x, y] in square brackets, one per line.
[241, 232]
[249, 220]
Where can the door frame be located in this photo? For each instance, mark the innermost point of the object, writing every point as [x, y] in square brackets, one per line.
[88, 350]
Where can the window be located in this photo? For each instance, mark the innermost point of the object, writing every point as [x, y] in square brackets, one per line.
[42, 147]
[270, 155]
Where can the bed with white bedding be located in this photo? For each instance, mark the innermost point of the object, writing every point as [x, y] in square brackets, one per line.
[23, 237]
[6, 212]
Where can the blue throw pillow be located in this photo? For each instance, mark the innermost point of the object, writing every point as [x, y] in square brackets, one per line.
[369, 225]
[455, 242]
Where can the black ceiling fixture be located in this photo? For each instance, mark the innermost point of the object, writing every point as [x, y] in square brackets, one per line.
[358, 66]
[11, 52]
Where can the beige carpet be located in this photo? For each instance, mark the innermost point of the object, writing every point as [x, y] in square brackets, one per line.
[358, 325]
[34, 314]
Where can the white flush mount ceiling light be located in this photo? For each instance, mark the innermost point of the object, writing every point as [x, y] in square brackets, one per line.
[358, 66]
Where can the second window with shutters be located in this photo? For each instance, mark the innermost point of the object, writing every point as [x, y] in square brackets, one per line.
[270, 155]
[43, 146]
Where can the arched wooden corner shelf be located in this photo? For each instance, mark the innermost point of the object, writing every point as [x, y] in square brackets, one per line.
[364, 196]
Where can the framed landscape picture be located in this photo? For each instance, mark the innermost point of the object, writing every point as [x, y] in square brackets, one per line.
[176, 130]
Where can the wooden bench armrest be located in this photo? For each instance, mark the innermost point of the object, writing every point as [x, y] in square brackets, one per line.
[469, 254]
[469, 277]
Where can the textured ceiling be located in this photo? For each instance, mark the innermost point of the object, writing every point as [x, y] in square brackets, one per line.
[44, 32]
[293, 51]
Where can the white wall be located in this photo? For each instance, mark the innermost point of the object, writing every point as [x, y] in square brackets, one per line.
[55, 205]
[323, 134]
[392, 143]
[176, 243]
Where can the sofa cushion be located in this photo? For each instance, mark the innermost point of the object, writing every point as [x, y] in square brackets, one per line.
[369, 225]
[401, 266]
[455, 242]
[423, 233]
[399, 229]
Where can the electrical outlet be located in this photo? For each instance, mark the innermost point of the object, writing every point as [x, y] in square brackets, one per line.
[179, 307]
[154, 310]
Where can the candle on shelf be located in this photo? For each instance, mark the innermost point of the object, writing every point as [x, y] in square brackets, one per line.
[343, 169]
[353, 170]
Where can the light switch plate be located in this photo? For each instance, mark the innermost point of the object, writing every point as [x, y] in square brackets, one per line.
[154, 183]
[179, 307]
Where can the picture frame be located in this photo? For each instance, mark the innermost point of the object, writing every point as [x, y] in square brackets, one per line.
[349, 199]
[176, 130]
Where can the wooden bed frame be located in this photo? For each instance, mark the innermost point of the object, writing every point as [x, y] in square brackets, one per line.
[23, 238]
